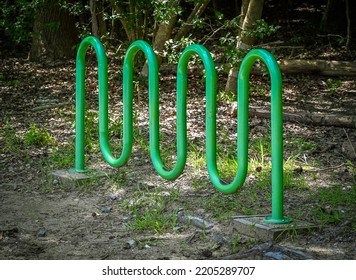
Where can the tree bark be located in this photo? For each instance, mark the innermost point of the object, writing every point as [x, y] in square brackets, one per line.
[54, 33]
[164, 33]
[251, 12]
[94, 20]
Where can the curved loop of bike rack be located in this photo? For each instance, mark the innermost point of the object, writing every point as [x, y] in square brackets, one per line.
[181, 126]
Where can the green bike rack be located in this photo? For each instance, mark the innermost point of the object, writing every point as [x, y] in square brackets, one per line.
[181, 133]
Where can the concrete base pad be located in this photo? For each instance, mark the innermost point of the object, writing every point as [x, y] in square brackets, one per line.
[73, 179]
[256, 227]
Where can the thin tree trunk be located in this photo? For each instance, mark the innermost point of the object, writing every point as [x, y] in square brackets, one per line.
[101, 20]
[348, 28]
[94, 20]
[253, 13]
[126, 24]
[163, 34]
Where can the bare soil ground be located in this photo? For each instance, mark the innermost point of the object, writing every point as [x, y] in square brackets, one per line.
[41, 219]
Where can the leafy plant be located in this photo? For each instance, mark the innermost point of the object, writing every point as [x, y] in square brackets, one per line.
[173, 49]
[150, 211]
[333, 85]
[261, 29]
[12, 141]
[36, 136]
[224, 96]
[62, 157]
[16, 17]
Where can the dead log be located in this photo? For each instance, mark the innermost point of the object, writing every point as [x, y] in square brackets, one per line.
[319, 67]
[308, 118]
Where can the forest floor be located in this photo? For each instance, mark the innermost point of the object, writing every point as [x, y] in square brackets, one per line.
[133, 214]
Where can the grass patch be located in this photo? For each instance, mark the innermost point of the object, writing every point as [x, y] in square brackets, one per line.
[335, 204]
[37, 136]
[152, 211]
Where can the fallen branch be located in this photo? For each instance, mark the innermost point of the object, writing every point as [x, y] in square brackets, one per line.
[49, 106]
[321, 67]
[303, 117]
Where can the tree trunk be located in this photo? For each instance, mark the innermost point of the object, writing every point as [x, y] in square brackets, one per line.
[54, 33]
[163, 34]
[253, 13]
[131, 17]
[94, 20]
[326, 21]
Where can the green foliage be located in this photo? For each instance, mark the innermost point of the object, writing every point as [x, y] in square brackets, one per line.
[164, 9]
[91, 131]
[333, 85]
[36, 136]
[12, 141]
[150, 211]
[262, 30]
[224, 96]
[173, 49]
[62, 157]
[16, 17]
[233, 56]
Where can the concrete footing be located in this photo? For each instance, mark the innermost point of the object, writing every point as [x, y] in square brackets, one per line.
[73, 179]
[256, 227]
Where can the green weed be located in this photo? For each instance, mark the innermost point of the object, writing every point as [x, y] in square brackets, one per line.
[333, 85]
[13, 143]
[36, 136]
[224, 96]
[151, 211]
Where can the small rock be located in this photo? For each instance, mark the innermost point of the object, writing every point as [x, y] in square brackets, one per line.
[195, 221]
[130, 244]
[147, 246]
[55, 182]
[177, 229]
[113, 197]
[41, 232]
[220, 239]
[105, 209]
[277, 256]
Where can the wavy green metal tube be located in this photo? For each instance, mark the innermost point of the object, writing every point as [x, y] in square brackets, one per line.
[276, 124]
[181, 140]
[80, 97]
[127, 109]
[211, 90]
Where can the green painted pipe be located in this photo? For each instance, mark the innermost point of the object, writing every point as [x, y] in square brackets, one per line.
[181, 140]
[276, 125]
